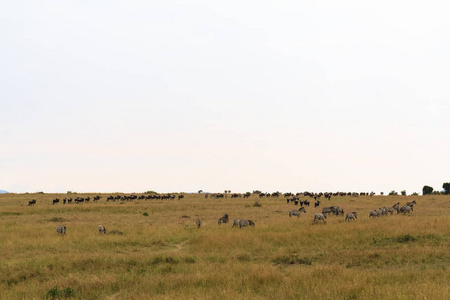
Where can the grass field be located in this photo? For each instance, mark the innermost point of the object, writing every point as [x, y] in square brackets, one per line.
[152, 251]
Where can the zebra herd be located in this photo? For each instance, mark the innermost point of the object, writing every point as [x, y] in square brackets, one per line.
[383, 211]
[236, 222]
[352, 216]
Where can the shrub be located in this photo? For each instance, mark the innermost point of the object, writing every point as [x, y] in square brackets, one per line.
[393, 193]
[257, 204]
[145, 214]
[54, 293]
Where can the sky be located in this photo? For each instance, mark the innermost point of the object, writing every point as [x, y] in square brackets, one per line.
[178, 96]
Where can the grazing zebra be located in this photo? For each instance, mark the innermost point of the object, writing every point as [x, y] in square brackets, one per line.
[338, 210]
[198, 223]
[236, 222]
[224, 219]
[351, 216]
[61, 229]
[319, 216]
[101, 229]
[327, 210]
[297, 213]
[245, 223]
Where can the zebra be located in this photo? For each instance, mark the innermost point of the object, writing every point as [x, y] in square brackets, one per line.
[406, 209]
[411, 203]
[373, 213]
[319, 216]
[61, 229]
[236, 222]
[338, 210]
[327, 210]
[101, 229]
[297, 213]
[351, 216]
[198, 223]
[224, 219]
[245, 223]
[390, 210]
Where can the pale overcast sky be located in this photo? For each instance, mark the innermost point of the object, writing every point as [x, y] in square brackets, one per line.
[130, 96]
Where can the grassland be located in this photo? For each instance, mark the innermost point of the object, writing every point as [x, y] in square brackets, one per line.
[164, 256]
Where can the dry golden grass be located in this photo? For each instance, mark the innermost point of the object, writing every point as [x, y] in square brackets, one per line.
[164, 256]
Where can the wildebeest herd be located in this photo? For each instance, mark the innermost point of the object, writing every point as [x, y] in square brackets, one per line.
[290, 198]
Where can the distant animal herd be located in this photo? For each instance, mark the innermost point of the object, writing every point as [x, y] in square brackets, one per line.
[290, 198]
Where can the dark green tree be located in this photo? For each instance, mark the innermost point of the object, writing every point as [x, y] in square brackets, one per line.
[427, 190]
[446, 187]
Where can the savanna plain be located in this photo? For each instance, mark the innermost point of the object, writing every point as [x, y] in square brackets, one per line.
[154, 250]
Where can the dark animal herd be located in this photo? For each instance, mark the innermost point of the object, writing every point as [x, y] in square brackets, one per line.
[290, 198]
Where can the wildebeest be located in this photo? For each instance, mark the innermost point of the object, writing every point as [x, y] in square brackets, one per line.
[56, 200]
[101, 229]
[61, 229]
[224, 219]
[198, 223]
[317, 203]
[351, 216]
[245, 223]
[294, 212]
[32, 202]
[319, 216]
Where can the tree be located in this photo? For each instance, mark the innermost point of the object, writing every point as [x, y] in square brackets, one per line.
[403, 193]
[393, 193]
[427, 190]
[446, 187]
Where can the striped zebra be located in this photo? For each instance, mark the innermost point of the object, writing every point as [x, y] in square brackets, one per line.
[101, 229]
[327, 210]
[406, 209]
[391, 210]
[224, 219]
[338, 210]
[319, 216]
[245, 223]
[411, 203]
[61, 229]
[236, 223]
[351, 216]
[198, 223]
[373, 213]
[297, 213]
